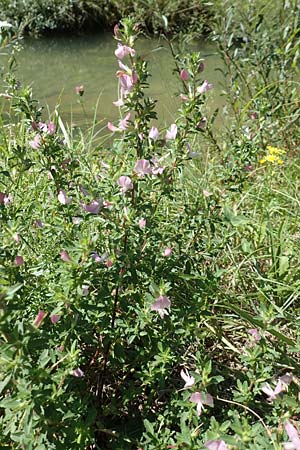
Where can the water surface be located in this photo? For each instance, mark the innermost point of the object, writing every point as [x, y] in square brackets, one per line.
[54, 66]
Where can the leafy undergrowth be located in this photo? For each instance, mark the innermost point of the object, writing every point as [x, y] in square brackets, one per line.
[149, 288]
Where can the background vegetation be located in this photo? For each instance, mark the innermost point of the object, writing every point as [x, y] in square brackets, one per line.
[40, 16]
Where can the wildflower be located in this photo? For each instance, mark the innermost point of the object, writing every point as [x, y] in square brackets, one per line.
[216, 445]
[205, 86]
[19, 261]
[167, 252]
[125, 183]
[273, 155]
[200, 400]
[183, 97]
[255, 334]
[54, 318]
[281, 386]
[43, 127]
[38, 223]
[184, 75]
[36, 142]
[172, 132]
[51, 128]
[153, 134]
[206, 193]
[161, 304]
[201, 67]
[189, 381]
[7, 199]
[65, 256]
[78, 373]
[157, 169]
[116, 30]
[79, 90]
[142, 167]
[123, 124]
[77, 220]
[85, 290]
[93, 207]
[202, 123]
[63, 198]
[293, 436]
[142, 223]
[39, 318]
[124, 50]
[109, 263]
[17, 238]
[254, 116]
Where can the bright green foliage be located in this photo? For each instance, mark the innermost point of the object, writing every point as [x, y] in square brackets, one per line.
[215, 234]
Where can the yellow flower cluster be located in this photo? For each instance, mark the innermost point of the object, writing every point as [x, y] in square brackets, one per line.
[273, 155]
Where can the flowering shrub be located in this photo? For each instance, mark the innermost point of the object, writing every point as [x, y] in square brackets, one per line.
[130, 278]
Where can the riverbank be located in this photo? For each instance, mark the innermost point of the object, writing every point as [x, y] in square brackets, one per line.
[40, 17]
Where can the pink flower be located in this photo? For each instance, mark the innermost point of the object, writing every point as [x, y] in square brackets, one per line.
[142, 167]
[254, 116]
[157, 169]
[124, 50]
[172, 132]
[119, 102]
[142, 223]
[201, 67]
[154, 134]
[216, 445]
[189, 381]
[202, 123]
[51, 128]
[167, 252]
[183, 97]
[8, 199]
[109, 263]
[65, 256]
[293, 436]
[39, 318]
[205, 86]
[77, 220]
[17, 238]
[42, 126]
[63, 198]
[93, 207]
[38, 223]
[36, 142]
[123, 124]
[79, 90]
[184, 75]
[54, 318]
[116, 30]
[2, 197]
[125, 183]
[281, 386]
[126, 82]
[85, 290]
[255, 334]
[161, 305]
[98, 258]
[19, 261]
[78, 373]
[200, 400]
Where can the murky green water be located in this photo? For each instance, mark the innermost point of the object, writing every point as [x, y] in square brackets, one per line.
[54, 66]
